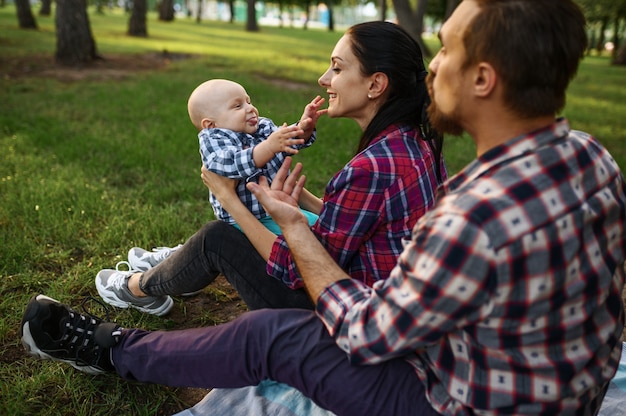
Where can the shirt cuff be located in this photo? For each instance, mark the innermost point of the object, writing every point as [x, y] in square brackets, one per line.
[281, 266]
[337, 299]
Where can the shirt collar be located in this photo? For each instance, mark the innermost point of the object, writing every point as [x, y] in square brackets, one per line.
[512, 149]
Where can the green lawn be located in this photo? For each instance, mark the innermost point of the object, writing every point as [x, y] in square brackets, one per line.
[92, 167]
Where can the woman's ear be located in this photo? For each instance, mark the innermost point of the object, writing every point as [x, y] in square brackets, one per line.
[378, 85]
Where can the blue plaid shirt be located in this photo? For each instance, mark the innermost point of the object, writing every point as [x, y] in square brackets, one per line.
[508, 299]
[229, 154]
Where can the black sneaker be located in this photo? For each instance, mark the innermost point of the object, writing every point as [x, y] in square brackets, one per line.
[53, 331]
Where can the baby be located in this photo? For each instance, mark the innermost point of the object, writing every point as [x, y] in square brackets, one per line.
[236, 143]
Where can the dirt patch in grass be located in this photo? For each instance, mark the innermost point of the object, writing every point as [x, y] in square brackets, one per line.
[109, 67]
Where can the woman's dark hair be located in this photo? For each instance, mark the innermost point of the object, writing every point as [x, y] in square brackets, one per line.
[386, 47]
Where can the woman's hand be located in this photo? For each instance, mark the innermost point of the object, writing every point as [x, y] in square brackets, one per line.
[223, 188]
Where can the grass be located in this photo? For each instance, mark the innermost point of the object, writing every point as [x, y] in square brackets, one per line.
[90, 168]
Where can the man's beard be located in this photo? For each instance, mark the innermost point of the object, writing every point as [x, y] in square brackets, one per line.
[444, 124]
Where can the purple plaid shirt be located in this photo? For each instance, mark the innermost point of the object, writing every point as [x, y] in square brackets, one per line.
[508, 300]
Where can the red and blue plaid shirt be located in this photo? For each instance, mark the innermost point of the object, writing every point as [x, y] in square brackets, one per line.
[369, 207]
[508, 299]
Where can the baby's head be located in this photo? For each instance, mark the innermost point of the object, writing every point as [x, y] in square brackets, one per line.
[220, 103]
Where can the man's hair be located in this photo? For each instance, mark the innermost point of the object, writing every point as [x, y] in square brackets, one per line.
[534, 45]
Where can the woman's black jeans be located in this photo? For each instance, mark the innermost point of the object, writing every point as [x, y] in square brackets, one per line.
[219, 248]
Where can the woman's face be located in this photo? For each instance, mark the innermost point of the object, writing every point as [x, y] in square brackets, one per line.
[346, 86]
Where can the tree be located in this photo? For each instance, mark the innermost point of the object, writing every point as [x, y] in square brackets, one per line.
[231, 7]
[602, 15]
[620, 56]
[75, 43]
[307, 9]
[166, 10]
[46, 8]
[137, 25]
[199, 11]
[331, 18]
[413, 21]
[383, 10]
[251, 22]
[25, 16]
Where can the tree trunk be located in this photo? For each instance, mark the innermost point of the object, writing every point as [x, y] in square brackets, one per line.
[251, 23]
[620, 57]
[331, 18]
[231, 6]
[137, 25]
[616, 40]
[75, 43]
[199, 12]
[383, 10]
[307, 7]
[25, 16]
[592, 41]
[413, 22]
[166, 10]
[602, 38]
[46, 8]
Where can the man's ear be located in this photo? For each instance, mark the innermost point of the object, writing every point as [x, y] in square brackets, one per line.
[378, 85]
[485, 80]
[207, 123]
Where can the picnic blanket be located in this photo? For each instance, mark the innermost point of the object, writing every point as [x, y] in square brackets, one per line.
[269, 398]
[276, 399]
[614, 403]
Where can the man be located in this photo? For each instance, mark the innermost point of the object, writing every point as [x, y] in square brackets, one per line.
[508, 298]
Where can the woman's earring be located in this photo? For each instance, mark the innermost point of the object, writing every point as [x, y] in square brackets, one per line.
[369, 96]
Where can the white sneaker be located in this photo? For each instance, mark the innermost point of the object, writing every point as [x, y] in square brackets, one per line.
[112, 286]
[143, 260]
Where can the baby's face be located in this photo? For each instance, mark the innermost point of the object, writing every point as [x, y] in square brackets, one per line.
[234, 111]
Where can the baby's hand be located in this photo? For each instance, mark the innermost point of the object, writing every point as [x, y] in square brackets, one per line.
[311, 114]
[283, 139]
[312, 111]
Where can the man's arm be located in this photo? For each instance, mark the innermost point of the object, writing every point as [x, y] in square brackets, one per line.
[317, 268]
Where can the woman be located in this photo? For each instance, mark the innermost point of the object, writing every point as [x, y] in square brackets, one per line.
[376, 77]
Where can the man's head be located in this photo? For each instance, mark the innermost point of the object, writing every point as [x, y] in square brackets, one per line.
[220, 103]
[533, 48]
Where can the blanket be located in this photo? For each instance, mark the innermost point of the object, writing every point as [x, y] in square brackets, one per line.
[269, 398]
[276, 399]
[614, 403]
